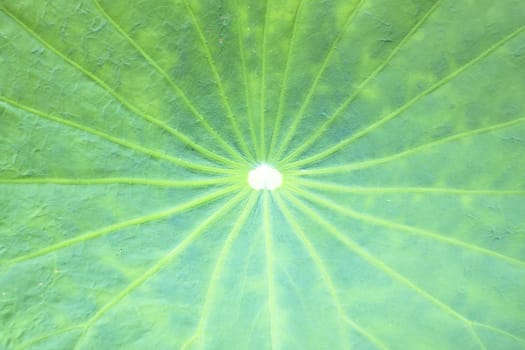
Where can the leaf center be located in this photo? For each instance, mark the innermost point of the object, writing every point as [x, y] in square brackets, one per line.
[265, 177]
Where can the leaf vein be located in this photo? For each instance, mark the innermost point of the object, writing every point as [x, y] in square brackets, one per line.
[312, 138]
[218, 80]
[377, 161]
[219, 263]
[375, 125]
[284, 83]
[179, 135]
[298, 118]
[118, 181]
[82, 238]
[159, 265]
[383, 267]
[407, 228]
[225, 145]
[130, 145]
[325, 276]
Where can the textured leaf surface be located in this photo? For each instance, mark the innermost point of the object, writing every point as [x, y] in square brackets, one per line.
[128, 128]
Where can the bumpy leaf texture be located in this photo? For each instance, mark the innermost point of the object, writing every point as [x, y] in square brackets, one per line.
[128, 129]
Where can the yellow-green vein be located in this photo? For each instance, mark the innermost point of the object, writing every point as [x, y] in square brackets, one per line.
[375, 125]
[406, 228]
[500, 331]
[284, 83]
[325, 276]
[300, 114]
[411, 151]
[262, 99]
[160, 264]
[121, 181]
[198, 333]
[314, 136]
[251, 121]
[179, 135]
[55, 333]
[237, 131]
[338, 188]
[225, 145]
[270, 278]
[384, 268]
[130, 145]
[244, 274]
[81, 238]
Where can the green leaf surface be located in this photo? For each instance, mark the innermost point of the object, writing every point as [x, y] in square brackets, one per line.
[128, 128]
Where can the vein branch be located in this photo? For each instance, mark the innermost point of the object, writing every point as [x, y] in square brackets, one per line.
[339, 111]
[199, 333]
[270, 276]
[325, 276]
[300, 115]
[499, 331]
[251, 121]
[279, 115]
[82, 238]
[262, 102]
[225, 145]
[119, 181]
[333, 187]
[127, 144]
[40, 339]
[375, 125]
[406, 228]
[159, 265]
[218, 80]
[382, 160]
[383, 267]
[162, 125]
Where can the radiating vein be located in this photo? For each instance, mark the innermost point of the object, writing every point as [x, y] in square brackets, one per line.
[300, 295]
[55, 333]
[338, 112]
[377, 161]
[225, 145]
[499, 330]
[82, 238]
[375, 125]
[253, 326]
[383, 267]
[161, 263]
[476, 337]
[338, 188]
[244, 274]
[120, 181]
[325, 276]
[179, 135]
[218, 80]
[198, 333]
[299, 116]
[127, 144]
[284, 83]
[262, 102]
[251, 121]
[411, 229]
[270, 278]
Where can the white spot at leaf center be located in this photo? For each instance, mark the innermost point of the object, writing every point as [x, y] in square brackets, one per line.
[264, 177]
